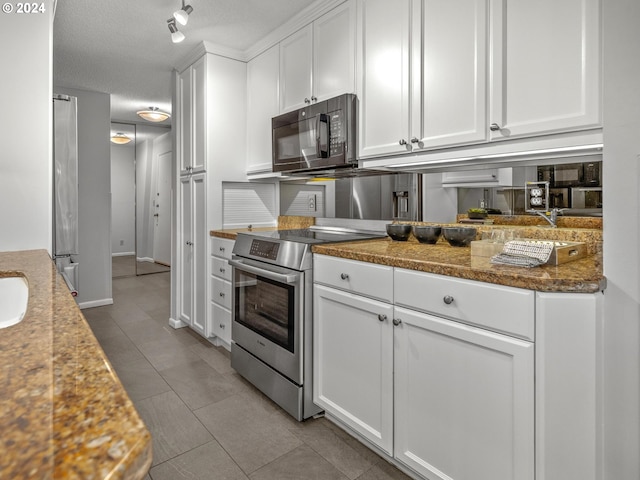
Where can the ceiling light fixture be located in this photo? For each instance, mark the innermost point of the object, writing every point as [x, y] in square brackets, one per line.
[120, 139]
[153, 115]
[176, 35]
[182, 15]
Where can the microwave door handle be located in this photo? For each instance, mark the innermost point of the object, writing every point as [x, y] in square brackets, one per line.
[278, 277]
[322, 138]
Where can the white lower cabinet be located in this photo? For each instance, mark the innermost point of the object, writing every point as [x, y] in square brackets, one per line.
[353, 362]
[219, 321]
[464, 400]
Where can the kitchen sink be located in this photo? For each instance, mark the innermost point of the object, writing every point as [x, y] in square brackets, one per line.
[14, 296]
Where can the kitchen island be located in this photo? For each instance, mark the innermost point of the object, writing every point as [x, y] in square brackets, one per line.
[63, 411]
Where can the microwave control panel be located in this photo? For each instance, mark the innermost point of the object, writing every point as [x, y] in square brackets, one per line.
[336, 135]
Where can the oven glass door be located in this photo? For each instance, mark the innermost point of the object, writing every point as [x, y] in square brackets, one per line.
[267, 307]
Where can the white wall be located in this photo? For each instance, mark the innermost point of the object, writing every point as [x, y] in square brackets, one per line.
[621, 181]
[123, 201]
[26, 124]
[94, 197]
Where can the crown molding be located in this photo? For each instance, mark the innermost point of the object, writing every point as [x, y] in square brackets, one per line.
[302, 19]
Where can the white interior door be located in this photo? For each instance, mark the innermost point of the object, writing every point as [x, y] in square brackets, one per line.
[162, 211]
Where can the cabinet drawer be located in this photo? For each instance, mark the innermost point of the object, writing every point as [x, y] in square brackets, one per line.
[495, 307]
[222, 247]
[221, 322]
[221, 292]
[369, 279]
[220, 268]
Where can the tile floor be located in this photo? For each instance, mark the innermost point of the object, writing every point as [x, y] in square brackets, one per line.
[206, 421]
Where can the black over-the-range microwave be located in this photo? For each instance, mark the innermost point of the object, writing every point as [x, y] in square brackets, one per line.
[319, 136]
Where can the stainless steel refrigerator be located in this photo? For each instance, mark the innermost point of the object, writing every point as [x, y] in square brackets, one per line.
[65, 189]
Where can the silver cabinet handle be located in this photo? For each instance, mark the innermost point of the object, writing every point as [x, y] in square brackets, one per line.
[397, 321]
[314, 99]
[344, 276]
[402, 141]
[494, 127]
[222, 270]
[307, 101]
[222, 326]
[414, 140]
[222, 294]
[382, 317]
[448, 299]
[222, 249]
[189, 243]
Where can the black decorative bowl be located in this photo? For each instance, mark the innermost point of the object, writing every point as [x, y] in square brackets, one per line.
[459, 236]
[398, 231]
[427, 233]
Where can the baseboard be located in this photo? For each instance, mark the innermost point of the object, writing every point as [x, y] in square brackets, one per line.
[144, 259]
[122, 254]
[177, 323]
[96, 303]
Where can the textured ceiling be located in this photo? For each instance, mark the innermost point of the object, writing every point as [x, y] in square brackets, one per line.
[124, 48]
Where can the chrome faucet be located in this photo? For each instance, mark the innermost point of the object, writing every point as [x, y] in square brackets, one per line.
[550, 216]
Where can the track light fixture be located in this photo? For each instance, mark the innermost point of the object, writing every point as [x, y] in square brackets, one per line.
[176, 35]
[182, 15]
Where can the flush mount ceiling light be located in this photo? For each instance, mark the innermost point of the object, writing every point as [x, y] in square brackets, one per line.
[182, 15]
[120, 139]
[176, 35]
[153, 114]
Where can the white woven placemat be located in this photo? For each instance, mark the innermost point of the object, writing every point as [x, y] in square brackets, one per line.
[524, 253]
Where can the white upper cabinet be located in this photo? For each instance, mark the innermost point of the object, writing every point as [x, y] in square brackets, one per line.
[449, 86]
[192, 118]
[545, 67]
[435, 74]
[383, 78]
[262, 106]
[318, 61]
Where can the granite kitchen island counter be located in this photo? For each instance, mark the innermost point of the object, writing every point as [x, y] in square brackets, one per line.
[63, 411]
[580, 276]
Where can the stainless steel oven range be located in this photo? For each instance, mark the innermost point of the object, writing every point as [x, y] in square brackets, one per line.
[272, 312]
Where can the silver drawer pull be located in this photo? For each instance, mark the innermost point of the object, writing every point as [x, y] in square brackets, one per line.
[222, 270]
[222, 325]
[222, 294]
[448, 299]
[222, 249]
[344, 276]
[397, 321]
[382, 317]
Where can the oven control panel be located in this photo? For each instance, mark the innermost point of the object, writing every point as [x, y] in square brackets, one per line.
[264, 249]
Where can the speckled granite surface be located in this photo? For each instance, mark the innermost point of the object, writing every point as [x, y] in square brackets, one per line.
[531, 220]
[580, 276]
[63, 411]
[287, 222]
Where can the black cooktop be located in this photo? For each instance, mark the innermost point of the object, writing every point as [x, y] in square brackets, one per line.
[316, 236]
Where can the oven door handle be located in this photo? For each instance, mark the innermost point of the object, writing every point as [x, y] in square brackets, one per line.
[278, 277]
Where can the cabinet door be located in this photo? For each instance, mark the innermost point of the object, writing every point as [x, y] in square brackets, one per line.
[464, 400]
[353, 362]
[545, 71]
[185, 252]
[262, 106]
[449, 68]
[184, 120]
[334, 52]
[295, 69]
[199, 248]
[199, 106]
[383, 76]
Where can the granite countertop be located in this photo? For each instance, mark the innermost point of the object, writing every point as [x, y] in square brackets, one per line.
[63, 411]
[580, 276]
